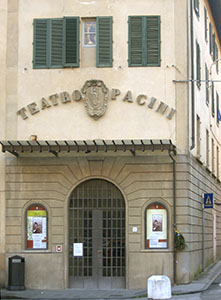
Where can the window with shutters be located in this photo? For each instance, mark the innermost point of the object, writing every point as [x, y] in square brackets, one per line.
[144, 41]
[56, 41]
[97, 42]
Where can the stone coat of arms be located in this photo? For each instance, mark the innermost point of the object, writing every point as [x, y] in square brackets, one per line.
[95, 98]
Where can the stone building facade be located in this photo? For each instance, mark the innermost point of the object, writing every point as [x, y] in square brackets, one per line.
[110, 139]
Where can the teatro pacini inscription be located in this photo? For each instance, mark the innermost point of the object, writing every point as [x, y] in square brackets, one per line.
[95, 96]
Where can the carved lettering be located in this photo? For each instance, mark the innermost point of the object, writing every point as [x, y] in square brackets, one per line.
[114, 93]
[65, 97]
[44, 103]
[54, 99]
[128, 97]
[171, 113]
[162, 107]
[76, 95]
[33, 108]
[152, 102]
[22, 113]
[139, 99]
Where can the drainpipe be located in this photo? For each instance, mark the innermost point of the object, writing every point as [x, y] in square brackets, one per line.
[174, 216]
[192, 78]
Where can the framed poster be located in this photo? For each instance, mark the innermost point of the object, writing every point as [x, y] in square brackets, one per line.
[156, 226]
[36, 220]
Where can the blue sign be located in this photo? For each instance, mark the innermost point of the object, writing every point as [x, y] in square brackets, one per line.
[208, 200]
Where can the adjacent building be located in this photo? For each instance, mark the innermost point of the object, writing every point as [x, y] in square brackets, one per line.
[110, 134]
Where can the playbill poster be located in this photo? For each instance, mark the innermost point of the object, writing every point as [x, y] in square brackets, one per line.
[36, 229]
[156, 228]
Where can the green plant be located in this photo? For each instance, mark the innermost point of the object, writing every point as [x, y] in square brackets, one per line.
[179, 240]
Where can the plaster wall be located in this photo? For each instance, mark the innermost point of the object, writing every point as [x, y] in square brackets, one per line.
[122, 119]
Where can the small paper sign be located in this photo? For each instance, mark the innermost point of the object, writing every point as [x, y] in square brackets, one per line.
[78, 249]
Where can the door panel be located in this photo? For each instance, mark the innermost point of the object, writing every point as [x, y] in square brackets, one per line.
[97, 220]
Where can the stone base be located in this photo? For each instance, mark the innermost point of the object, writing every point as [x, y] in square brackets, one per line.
[159, 287]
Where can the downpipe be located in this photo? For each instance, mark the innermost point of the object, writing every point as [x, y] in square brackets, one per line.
[174, 216]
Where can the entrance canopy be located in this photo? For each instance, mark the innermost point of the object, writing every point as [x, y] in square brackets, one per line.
[22, 147]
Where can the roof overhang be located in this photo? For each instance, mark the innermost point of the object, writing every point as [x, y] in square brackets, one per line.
[215, 6]
[23, 148]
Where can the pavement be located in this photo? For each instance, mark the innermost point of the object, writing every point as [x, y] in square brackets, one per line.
[181, 292]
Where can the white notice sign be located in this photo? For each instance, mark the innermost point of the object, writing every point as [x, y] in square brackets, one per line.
[78, 249]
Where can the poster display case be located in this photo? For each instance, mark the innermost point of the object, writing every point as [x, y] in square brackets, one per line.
[36, 222]
[156, 226]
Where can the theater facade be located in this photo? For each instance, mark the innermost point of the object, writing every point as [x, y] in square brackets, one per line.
[107, 145]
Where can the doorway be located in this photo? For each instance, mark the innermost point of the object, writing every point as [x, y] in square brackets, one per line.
[97, 230]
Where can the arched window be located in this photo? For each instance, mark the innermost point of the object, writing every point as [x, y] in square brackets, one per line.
[36, 227]
[156, 226]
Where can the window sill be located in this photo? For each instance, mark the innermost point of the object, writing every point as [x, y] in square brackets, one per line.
[155, 250]
[37, 251]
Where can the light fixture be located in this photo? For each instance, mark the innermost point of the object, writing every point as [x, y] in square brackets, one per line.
[34, 138]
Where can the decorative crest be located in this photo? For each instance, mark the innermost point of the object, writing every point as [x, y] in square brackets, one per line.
[95, 97]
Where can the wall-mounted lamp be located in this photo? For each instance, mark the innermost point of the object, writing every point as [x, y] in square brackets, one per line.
[34, 138]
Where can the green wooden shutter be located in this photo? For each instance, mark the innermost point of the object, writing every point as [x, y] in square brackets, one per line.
[213, 100]
[210, 38]
[135, 41]
[144, 41]
[152, 41]
[104, 42]
[196, 7]
[217, 108]
[217, 58]
[205, 24]
[207, 84]
[71, 42]
[213, 46]
[56, 36]
[41, 43]
[198, 75]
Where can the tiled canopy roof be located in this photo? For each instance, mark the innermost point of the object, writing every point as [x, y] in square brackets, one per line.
[18, 148]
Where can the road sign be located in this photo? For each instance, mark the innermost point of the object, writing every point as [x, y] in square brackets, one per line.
[208, 200]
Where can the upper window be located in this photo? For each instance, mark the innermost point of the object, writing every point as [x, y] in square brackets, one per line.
[89, 33]
[144, 41]
[56, 41]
